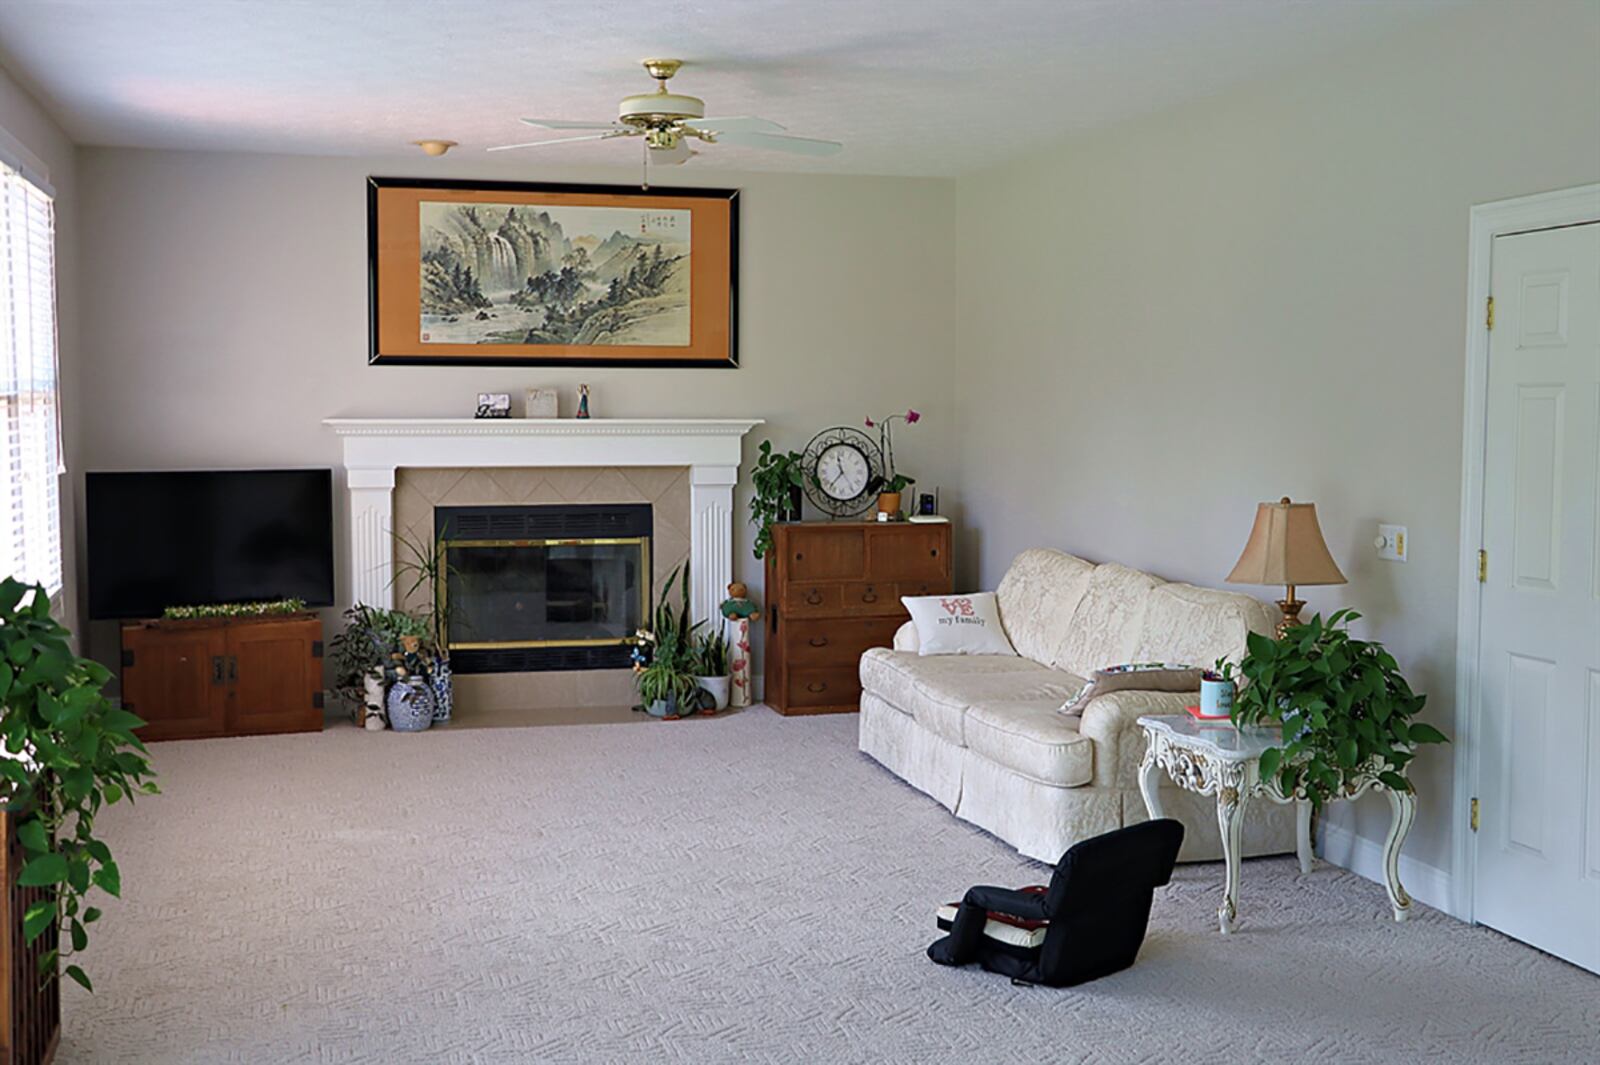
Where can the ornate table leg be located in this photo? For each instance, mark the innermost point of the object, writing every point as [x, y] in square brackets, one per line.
[1302, 833]
[1404, 806]
[1230, 820]
[1150, 779]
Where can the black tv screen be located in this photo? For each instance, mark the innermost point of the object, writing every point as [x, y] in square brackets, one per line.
[214, 536]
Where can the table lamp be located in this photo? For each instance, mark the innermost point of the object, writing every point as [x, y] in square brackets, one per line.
[1286, 547]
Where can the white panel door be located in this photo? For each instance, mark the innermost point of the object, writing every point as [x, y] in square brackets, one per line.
[1538, 862]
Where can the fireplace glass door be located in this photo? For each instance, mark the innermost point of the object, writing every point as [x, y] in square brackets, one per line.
[569, 602]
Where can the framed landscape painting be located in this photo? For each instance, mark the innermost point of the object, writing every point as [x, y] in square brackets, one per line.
[487, 273]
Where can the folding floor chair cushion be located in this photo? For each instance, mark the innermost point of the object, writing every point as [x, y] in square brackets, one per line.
[1089, 923]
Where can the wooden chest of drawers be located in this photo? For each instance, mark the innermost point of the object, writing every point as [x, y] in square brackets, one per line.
[833, 590]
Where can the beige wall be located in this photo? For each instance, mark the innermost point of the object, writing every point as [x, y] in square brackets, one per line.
[24, 119]
[1258, 295]
[230, 312]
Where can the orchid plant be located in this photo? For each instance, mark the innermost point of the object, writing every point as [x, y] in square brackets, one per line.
[892, 479]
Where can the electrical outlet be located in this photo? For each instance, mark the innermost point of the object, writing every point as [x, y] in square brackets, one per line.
[1391, 543]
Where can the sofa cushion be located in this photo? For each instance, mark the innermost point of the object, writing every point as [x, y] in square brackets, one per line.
[1106, 627]
[1183, 623]
[1038, 596]
[1031, 739]
[941, 703]
[892, 675]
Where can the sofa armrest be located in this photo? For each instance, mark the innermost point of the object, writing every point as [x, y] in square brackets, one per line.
[906, 639]
[1112, 722]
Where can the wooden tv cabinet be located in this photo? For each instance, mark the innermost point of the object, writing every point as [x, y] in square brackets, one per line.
[833, 590]
[200, 678]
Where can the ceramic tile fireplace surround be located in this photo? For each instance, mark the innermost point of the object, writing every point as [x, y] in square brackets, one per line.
[624, 496]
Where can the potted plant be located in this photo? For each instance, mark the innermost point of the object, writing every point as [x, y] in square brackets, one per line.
[711, 667]
[70, 753]
[365, 654]
[779, 485]
[1346, 712]
[664, 670]
[423, 566]
[892, 483]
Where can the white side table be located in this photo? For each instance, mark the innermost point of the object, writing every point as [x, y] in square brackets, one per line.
[1214, 758]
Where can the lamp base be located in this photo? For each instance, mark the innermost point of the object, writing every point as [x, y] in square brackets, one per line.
[1291, 613]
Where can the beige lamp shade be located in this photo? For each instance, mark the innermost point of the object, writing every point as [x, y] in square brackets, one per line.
[1286, 547]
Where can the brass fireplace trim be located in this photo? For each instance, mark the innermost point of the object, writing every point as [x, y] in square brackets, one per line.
[647, 580]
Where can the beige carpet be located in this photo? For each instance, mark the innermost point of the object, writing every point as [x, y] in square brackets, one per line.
[748, 888]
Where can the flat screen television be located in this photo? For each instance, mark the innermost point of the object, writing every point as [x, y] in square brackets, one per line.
[208, 536]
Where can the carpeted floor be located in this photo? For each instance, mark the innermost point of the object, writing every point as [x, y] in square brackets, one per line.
[747, 888]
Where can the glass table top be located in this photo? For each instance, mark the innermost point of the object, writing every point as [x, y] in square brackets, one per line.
[1217, 737]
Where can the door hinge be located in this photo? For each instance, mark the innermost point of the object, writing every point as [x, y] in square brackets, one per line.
[316, 700]
[1483, 566]
[127, 659]
[1489, 315]
[1474, 814]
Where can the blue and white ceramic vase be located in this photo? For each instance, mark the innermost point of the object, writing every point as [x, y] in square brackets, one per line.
[410, 704]
[443, 685]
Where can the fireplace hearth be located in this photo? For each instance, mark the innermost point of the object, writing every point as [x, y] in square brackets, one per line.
[547, 587]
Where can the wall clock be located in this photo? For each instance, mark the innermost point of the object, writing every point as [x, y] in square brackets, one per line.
[842, 468]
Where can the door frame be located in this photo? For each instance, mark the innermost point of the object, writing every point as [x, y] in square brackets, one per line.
[1501, 218]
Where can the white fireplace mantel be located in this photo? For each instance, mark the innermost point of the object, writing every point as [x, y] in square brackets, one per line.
[374, 448]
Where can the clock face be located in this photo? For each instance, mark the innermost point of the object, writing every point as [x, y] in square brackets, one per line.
[842, 471]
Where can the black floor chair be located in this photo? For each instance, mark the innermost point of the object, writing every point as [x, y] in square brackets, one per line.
[1096, 910]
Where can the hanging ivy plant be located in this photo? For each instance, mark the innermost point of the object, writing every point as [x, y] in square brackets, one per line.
[69, 753]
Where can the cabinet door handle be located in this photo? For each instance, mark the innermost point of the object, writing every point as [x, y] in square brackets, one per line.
[216, 669]
[817, 686]
[233, 669]
[814, 597]
[819, 641]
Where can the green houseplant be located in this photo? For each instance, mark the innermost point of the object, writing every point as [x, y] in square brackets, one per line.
[711, 666]
[1341, 703]
[69, 753]
[665, 673]
[424, 566]
[892, 483]
[779, 484]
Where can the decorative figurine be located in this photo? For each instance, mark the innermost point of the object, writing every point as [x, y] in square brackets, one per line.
[583, 402]
[740, 610]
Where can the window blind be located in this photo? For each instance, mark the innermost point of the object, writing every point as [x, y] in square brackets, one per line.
[30, 525]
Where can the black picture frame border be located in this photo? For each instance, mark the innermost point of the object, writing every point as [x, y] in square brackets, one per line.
[377, 358]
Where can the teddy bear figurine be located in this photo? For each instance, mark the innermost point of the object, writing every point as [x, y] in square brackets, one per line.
[739, 604]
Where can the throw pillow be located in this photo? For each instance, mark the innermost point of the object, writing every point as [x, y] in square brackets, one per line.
[1144, 676]
[958, 624]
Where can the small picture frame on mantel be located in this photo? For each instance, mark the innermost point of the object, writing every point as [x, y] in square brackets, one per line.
[493, 405]
[541, 403]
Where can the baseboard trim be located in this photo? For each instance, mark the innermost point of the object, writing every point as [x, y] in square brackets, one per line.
[1426, 883]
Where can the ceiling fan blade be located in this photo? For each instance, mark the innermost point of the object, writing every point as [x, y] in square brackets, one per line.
[779, 143]
[562, 140]
[743, 123]
[561, 123]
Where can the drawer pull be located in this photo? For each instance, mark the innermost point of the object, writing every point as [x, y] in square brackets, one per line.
[814, 597]
[869, 596]
[817, 686]
[819, 641]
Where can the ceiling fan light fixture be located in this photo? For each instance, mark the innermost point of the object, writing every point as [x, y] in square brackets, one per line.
[434, 147]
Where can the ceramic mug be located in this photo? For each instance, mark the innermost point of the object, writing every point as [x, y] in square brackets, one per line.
[1216, 697]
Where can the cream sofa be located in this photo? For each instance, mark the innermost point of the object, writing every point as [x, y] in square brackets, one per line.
[983, 735]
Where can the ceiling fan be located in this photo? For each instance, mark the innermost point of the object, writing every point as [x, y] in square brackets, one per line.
[668, 121]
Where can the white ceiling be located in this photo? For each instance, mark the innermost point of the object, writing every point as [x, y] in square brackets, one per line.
[918, 87]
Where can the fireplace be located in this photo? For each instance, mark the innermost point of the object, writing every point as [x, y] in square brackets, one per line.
[549, 587]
